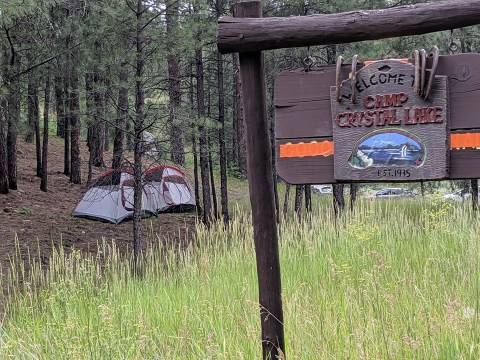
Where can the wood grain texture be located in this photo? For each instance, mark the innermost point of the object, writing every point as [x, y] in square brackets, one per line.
[464, 164]
[260, 178]
[385, 88]
[305, 170]
[302, 100]
[249, 34]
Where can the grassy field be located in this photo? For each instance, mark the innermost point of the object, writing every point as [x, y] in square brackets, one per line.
[396, 280]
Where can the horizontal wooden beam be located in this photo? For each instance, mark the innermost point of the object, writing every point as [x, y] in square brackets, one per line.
[249, 34]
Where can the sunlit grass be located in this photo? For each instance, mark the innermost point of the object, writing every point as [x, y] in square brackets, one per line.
[395, 280]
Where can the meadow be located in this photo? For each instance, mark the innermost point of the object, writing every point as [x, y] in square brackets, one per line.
[395, 280]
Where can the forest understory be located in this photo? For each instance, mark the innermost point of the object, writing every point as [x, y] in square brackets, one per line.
[33, 223]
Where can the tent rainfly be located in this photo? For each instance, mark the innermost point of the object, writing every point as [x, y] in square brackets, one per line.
[110, 197]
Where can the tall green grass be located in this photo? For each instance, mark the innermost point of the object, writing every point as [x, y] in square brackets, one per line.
[395, 280]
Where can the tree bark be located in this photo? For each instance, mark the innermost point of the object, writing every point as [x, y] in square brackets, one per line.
[74, 120]
[177, 152]
[474, 186]
[241, 150]
[4, 188]
[214, 191]
[338, 199]
[32, 109]
[298, 200]
[122, 118]
[247, 35]
[46, 109]
[221, 136]
[204, 172]
[98, 144]
[286, 200]
[60, 105]
[353, 196]
[67, 130]
[138, 141]
[13, 123]
[308, 198]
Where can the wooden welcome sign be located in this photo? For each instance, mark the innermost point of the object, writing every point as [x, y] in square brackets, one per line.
[384, 130]
[389, 133]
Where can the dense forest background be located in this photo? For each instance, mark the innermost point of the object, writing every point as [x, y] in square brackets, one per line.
[105, 71]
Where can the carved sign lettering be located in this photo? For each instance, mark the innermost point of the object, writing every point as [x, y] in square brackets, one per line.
[390, 132]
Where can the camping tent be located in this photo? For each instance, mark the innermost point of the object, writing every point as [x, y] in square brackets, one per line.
[168, 189]
[110, 197]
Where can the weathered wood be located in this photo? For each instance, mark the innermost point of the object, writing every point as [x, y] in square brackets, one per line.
[305, 170]
[390, 132]
[464, 164]
[245, 35]
[259, 163]
[302, 100]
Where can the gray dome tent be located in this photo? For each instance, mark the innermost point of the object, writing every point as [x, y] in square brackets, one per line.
[110, 197]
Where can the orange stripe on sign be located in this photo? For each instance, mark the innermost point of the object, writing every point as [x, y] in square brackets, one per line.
[325, 148]
[468, 140]
[289, 150]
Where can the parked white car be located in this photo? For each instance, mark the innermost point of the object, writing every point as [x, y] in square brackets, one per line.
[321, 189]
[458, 195]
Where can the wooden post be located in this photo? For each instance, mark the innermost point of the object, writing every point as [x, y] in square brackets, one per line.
[242, 35]
[259, 165]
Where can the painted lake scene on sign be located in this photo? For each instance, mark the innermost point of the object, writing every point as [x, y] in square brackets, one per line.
[388, 148]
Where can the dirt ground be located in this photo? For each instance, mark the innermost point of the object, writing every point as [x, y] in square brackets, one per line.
[39, 221]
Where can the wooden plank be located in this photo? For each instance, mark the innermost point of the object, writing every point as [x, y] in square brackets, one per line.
[302, 100]
[463, 71]
[307, 169]
[390, 132]
[260, 177]
[245, 35]
[464, 163]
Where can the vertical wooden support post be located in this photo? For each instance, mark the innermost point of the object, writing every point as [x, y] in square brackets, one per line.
[259, 166]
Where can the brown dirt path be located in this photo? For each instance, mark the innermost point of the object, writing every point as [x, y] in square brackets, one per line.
[42, 220]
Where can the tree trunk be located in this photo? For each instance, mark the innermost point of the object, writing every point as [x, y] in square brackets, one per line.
[338, 199]
[4, 188]
[474, 186]
[138, 142]
[241, 143]
[122, 118]
[308, 198]
[67, 130]
[177, 152]
[13, 124]
[204, 173]
[60, 105]
[286, 200]
[195, 175]
[32, 109]
[221, 138]
[98, 126]
[214, 191]
[74, 117]
[298, 200]
[353, 196]
[46, 109]
[233, 158]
